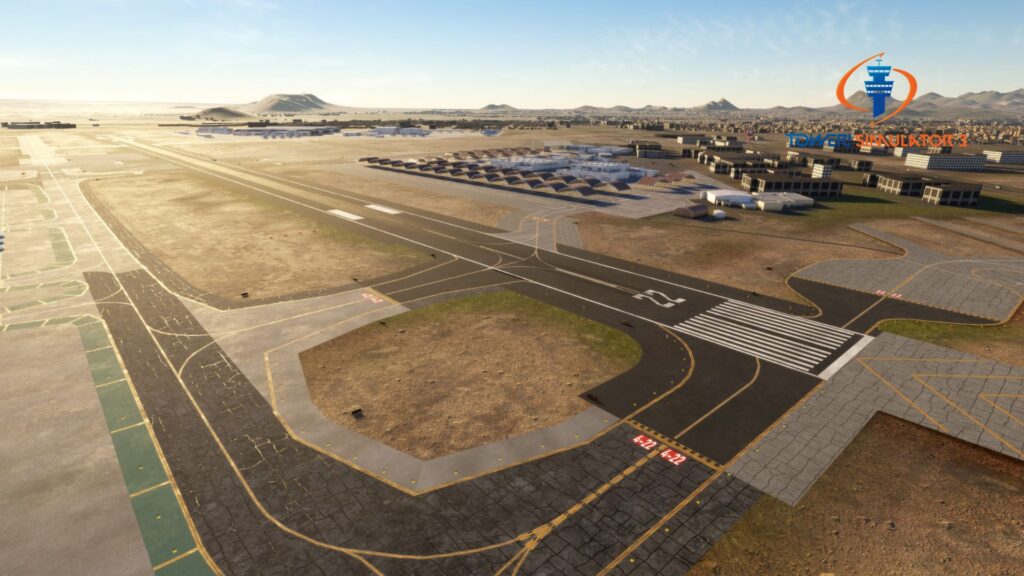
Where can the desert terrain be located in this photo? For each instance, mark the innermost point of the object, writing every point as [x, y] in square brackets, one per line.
[465, 372]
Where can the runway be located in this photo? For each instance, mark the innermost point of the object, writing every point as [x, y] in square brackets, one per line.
[720, 368]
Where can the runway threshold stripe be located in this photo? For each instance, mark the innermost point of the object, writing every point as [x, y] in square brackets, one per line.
[827, 340]
[799, 366]
[345, 215]
[780, 322]
[383, 209]
[782, 317]
[758, 340]
[762, 333]
[794, 322]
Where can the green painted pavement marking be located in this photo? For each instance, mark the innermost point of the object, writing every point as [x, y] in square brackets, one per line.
[119, 406]
[61, 248]
[192, 565]
[164, 529]
[104, 366]
[60, 320]
[93, 336]
[140, 464]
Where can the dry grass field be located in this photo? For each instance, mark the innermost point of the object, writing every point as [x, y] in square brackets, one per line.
[900, 499]
[465, 372]
[225, 241]
[753, 251]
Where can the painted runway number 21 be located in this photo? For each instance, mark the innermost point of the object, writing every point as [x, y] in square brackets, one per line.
[659, 298]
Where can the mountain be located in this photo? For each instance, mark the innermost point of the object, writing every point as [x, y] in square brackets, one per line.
[289, 103]
[498, 108]
[721, 105]
[221, 113]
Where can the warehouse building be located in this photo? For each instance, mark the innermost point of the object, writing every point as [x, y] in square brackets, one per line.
[904, 184]
[861, 165]
[956, 162]
[1004, 156]
[902, 151]
[821, 171]
[813, 187]
[816, 159]
[952, 194]
[779, 201]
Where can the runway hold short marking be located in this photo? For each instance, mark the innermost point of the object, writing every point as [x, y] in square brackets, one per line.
[345, 215]
[644, 442]
[383, 209]
[673, 457]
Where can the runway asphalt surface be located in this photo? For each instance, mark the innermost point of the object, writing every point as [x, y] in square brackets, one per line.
[720, 367]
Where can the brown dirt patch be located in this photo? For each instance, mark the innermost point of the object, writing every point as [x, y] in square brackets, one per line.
[901, 499]
[755, 252]
[942, 240]
[465, 372]
[225, 242]
[348, 178]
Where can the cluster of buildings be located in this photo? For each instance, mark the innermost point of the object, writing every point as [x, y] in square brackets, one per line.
[382, 131]
[35, 125]
[573, 172]
[936, 191]
[579, 161]
[268, 132]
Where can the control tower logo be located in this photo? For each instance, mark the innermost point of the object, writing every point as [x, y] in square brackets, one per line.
[878, 87]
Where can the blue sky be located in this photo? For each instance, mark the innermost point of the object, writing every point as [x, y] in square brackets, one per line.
[462, 53]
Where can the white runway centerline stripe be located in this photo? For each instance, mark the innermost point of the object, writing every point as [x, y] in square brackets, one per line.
[383, 209]
[345, 215]
[791, 341]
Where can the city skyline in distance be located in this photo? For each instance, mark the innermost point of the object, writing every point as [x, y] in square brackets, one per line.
[527, 54]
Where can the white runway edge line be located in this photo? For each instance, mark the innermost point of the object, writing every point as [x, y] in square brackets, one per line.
[345, 215]
[781, 338]
[383, 209]
[846, 357]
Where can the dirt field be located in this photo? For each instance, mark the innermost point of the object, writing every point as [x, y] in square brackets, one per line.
[328, 175]
[946, 241]
[754, 251]
[900, 500]
[445, 378]
[225, 242]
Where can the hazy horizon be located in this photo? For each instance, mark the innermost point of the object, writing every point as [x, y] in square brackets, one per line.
[526, 54]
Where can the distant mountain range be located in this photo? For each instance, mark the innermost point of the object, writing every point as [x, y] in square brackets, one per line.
[977, 105]
[974, 105]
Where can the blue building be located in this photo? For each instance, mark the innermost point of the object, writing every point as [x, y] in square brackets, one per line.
[878, 87]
